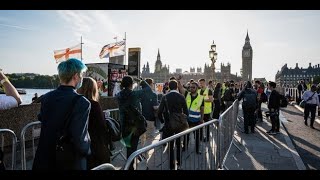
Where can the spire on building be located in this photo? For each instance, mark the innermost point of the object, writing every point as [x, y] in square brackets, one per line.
[148, 68]
[158, 56]
[158, 66]
[247, 38]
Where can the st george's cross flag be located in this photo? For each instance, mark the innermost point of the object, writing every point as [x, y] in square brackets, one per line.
[112, 50]
[65, 54]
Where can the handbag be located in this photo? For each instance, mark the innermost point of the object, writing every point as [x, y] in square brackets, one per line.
[178, 122]
[302, 104]
[136, 122]
[65, 152]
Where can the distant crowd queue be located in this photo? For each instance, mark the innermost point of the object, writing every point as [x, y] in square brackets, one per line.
[72, 112]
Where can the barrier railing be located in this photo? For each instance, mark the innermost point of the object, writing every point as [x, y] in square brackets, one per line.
[14, 145]
[292, 92]
[105, 166]
[216, 149]
[35, 134]
[115, 114]
[227, 124]
[208, 158]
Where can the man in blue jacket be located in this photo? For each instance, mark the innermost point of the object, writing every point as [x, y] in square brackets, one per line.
[55, 106]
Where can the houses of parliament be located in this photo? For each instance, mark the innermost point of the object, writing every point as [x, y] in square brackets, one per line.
[162, 74]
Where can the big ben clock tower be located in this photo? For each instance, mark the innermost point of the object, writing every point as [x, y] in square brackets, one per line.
[247, 60]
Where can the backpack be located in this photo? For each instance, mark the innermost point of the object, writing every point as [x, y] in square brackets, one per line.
[249, 100]
[227, 95]
[136, 122]
[263, 97]
[283, 101]
[114, 129]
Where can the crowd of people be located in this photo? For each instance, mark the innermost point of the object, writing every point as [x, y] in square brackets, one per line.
[76, 101]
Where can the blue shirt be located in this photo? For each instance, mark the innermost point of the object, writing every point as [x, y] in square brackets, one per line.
[314, 100]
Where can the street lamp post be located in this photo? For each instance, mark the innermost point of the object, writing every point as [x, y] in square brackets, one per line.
[213, 56]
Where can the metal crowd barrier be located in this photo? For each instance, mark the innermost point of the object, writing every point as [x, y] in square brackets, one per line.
[188, 159]
[35, 134]
[105, 166]
[216, 149]
[293, 93]
[227, 125]
[14, 145]
[115, 114]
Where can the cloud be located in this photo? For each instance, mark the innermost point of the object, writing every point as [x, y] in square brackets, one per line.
[84, 23]
[104, 19]
[14, 26]
[80, 23]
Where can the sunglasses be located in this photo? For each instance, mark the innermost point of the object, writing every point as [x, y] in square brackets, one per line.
[192, 87]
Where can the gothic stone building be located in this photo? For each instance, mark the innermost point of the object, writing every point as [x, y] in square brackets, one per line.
[288, 77]
[247, 52]
[161, 73]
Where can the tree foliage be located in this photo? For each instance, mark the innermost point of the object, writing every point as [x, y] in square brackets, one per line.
[34, 81]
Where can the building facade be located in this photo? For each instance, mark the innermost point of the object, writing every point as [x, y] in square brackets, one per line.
[247, 53]
[161, 73]
[290, 77]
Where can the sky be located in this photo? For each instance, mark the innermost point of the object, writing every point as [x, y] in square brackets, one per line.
[28, 38]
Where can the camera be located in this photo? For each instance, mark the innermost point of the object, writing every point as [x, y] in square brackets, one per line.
[268, 113]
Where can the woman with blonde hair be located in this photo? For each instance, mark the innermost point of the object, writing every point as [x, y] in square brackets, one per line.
[98, 130]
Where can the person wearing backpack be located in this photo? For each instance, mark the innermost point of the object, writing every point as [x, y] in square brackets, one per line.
[312, 100]
[64, 111]
[130, 113]
[249, 105]
[274, 106]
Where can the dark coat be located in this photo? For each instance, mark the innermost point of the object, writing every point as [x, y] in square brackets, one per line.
[100, 139]
[54, 107]
[177, 104]
[128, 97]
[274, 100]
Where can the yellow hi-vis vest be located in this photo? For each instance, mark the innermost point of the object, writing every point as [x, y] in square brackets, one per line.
[207, 105]
[194, 108]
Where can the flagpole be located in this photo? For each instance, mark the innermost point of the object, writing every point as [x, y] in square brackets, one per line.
[81, 47]
[125, 47]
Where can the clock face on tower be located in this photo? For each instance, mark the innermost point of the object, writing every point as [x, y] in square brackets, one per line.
[246, 53]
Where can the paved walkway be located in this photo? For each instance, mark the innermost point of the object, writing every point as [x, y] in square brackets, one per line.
[190, 160]
[260, 151]
[306, 140]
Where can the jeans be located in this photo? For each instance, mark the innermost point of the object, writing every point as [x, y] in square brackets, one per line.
[310, 108]
[248, 115]
[275, 121]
